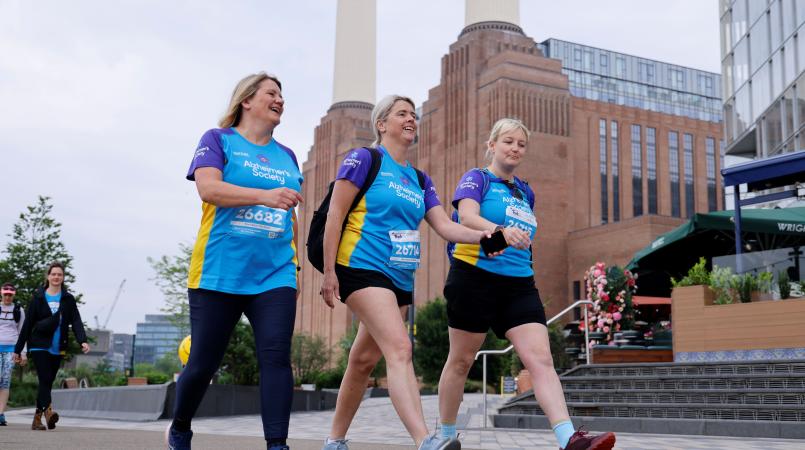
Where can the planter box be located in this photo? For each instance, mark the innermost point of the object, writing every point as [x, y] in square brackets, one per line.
[739, 328]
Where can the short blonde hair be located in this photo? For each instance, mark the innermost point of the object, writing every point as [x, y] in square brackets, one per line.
[503, 126]
[382, 110]
[243, 90]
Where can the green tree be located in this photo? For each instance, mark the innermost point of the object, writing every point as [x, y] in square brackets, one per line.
[309, 356]
[239, 365]
[170, 276]
[35, 243]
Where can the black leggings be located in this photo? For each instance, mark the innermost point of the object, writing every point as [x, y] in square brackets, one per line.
[47, 365]
[213, 316]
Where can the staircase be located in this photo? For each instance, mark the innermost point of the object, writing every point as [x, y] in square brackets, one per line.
[755, 399]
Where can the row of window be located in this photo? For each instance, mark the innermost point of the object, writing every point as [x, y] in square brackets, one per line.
[637, 95]
[608, 162]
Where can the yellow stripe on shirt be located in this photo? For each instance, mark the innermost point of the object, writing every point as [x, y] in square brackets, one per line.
[200, 248]
[468, 253]
[352, 233]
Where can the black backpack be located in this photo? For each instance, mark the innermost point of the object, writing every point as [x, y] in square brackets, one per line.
[315, 236]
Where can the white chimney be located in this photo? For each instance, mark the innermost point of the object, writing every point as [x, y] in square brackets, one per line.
[491, 11]
[355, 51]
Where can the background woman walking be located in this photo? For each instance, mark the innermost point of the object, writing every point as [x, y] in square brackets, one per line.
[11, 319]
[49, 316]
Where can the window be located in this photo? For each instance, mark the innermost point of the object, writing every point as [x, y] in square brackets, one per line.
[637, 172]
[673, 170]
[710, 153]
[577, 57]
[646, 72]
[690, 205]
[620, 66]
[706, 85]
[651, 165]
[604, 63]
[588, 60]
[602, 152]
[614, 150]
[676, 78]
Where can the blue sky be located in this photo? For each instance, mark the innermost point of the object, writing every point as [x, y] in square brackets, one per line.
[103, 102]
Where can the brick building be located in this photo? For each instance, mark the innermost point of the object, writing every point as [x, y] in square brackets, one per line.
[623, 149]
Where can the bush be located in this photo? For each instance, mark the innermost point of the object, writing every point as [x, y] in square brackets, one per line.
[329, 379]
[721, 282]
[697, 275]
[744, 285]
[478, 386]
[783, 284]
[309, 355]
[23, 393]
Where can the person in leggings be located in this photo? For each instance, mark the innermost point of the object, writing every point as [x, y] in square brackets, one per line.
[244, 260]
[50, 313]
[500, 293]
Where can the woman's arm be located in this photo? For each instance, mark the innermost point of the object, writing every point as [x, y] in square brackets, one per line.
[344, 193]
[452, 231]
[78, 329]
[25, 332]
[469, 212]
[212, 189]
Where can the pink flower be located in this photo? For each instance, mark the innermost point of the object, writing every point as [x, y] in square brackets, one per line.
[599, 265]
[604, 296]
[601, 323]
[617, 316]
[597, 273]
[608, 315]
[606, 329]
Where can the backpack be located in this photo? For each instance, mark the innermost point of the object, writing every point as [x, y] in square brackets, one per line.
[17, 315]
[315, 237]
[522, 185]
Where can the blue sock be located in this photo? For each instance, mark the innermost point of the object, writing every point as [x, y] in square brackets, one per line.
[563, 431]
[448, 431]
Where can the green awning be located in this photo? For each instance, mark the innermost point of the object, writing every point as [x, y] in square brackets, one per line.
[713, 234]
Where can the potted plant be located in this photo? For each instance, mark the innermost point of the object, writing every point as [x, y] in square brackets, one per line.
[695, 285]
[784, 284]
[610, 290]
[721, 282]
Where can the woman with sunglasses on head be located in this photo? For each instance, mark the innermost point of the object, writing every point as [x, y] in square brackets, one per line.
[500, 293]
[50, 313]
[244, 260]
[369, 265]
[11, 319]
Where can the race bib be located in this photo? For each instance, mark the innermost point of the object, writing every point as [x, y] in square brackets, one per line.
[522, 219]
[259, 221]
[404, 249]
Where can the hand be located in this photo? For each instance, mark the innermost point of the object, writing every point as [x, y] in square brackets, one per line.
[488, 234]
[85, 347]
[16, 358]
[282, 198]
[329, 289]
[516, 238]
[23, 360]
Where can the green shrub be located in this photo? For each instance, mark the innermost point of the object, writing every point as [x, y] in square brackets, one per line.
[765, 281]
[329, 379]
[784, 284]
[478, 386]
[722, 284]
[22, 393]
[697, 275]
[744, 285]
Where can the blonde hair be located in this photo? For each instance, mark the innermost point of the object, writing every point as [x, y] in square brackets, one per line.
[381, 112]
[503, 126]
[243, 90]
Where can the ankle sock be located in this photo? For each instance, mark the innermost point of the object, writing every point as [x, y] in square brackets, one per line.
[330, 440]
[180, 425]
[448, 431]
[563, 431]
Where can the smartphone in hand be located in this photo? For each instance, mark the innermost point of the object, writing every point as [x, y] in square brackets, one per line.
[495, 243]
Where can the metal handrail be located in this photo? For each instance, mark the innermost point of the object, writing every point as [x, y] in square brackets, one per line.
[550, 321]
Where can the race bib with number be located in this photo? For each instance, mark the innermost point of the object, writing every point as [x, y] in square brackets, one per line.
[524, 220]
[404, 249]
[259, 221]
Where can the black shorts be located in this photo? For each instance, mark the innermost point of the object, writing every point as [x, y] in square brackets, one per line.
[478, 300]
[351, 279]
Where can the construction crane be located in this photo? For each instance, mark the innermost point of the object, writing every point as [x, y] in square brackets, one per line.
[112, 308]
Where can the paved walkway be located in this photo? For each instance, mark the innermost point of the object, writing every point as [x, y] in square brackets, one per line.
[376, 426]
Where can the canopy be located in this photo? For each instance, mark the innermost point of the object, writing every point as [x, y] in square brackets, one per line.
[708, 235]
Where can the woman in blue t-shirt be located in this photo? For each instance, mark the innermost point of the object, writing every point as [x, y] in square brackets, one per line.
[244, 259]
[50, 313]
[500, 293]
[369, 265]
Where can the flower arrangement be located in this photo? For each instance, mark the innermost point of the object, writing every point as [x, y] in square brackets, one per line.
[610, 290]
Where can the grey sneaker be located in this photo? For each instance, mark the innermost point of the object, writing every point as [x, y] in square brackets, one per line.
[434, 442]
[335, 444]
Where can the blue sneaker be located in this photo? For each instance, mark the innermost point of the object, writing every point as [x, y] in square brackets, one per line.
[178, 440]
[335, 444]
[3, 420]
[279, 447]
[434, 442]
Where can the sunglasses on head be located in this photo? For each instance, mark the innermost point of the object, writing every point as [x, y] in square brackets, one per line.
[515, 191]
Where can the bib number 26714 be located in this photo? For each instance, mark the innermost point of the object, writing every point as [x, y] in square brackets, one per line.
[404, 249]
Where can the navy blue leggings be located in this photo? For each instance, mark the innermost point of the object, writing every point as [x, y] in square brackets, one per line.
[213, 316]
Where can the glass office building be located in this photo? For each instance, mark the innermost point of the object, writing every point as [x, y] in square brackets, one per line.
[627, 80]
[156, 337]
[762, 63]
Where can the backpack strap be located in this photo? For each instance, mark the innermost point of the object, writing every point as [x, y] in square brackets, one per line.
[16, 313]
[420, 176]
[370, 178]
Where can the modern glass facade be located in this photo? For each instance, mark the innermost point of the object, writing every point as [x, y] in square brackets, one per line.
[155, 337]
[608, 76]
[763, 68]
